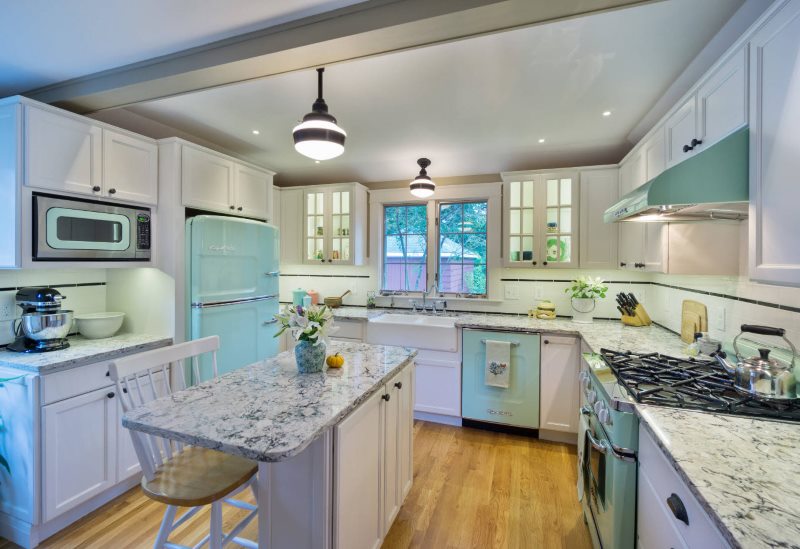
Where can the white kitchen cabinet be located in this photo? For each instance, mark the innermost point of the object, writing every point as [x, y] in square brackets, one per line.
[405, 447]
[10, 181]
[130, 168]
[392, 492]
[349, 330]
[437, 388]
[62, 153]
[681, 128]
[559, 392]
[291, 226]
[79, 450]
[335, 221]
[668, 514]
[774, 255]
[207, 180]
[218, 183]
[541, 220]
[722, 99]
[599, 240]
[654, 152]
[251, 192]
[631, 234]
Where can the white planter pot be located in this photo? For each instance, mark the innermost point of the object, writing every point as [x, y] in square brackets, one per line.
[583, 310]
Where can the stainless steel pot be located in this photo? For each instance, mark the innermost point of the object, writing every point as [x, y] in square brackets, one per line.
[761, 376]
[40, 327]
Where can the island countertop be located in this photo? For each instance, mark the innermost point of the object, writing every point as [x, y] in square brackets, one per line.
[268, 411]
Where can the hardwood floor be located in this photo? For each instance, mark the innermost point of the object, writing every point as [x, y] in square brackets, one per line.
[471, 488]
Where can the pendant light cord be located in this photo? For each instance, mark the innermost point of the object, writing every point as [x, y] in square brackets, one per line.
[319, 83]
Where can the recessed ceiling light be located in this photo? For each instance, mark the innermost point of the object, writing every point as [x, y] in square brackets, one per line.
[316, 161]
[256, 132]
[606, 113]
[541, 140]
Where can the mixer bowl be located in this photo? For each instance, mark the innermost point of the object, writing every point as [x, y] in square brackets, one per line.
[40, 327]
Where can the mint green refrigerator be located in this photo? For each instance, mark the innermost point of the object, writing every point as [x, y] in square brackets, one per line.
[517, 405]
[232, 288]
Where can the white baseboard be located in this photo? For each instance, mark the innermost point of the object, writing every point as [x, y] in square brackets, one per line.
[438, 418]
[31, 535]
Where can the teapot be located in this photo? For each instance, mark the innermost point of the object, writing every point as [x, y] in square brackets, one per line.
[760, 376]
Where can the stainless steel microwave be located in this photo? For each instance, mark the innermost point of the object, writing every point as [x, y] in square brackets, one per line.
[67, 229]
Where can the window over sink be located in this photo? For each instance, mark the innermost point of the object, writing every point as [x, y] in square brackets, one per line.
[405, 248]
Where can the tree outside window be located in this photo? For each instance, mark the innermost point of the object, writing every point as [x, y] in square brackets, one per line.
[462, 247]
[405, 250]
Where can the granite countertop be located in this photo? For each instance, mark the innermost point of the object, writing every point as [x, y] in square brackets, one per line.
[743, 471]
[82, 351]
[268, 411]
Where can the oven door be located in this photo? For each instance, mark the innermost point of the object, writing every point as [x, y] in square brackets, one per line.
[609, 486]
[68, 230]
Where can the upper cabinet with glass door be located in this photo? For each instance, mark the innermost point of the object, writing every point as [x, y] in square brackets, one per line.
[540, 220]
[335, 224]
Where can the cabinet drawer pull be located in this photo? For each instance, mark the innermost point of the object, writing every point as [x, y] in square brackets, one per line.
[399, 384]
[533, 262]
[386, 397]
[678, 508]
[110, 395]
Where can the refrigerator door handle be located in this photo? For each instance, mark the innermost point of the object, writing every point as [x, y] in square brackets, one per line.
[273, 273]
[268, 322]
[209, 304]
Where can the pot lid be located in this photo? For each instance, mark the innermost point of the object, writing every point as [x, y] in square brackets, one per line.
[764, 362]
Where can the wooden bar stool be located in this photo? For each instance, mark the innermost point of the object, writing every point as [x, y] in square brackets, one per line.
[176, 474]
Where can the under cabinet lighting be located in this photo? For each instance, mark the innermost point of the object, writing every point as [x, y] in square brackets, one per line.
[256, 132]
[606, 113]
[541, 140]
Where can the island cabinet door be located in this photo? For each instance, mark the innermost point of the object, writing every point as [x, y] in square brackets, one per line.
[391, 463]
[358, 476]
[406, 432]
[80, 450]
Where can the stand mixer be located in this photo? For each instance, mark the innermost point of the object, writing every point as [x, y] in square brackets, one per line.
[43, 326]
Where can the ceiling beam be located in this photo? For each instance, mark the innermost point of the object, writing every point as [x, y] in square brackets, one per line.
[366, 29]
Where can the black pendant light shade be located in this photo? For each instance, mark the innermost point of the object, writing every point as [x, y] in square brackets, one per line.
[423, 186]
[318, 136]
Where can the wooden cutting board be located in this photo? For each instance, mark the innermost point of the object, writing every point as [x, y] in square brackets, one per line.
[694, 318]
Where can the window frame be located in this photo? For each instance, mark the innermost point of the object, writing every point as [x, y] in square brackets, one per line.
[383, 290]
[437, 239]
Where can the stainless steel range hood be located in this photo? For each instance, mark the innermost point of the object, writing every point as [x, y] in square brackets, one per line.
[713, 184]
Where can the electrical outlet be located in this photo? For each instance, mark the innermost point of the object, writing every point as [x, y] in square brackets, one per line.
[8, 306]
[718, 321]
[511, 291]
[538, 292]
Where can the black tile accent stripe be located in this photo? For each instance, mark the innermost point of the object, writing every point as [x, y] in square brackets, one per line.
[569, 280]
[327, 276]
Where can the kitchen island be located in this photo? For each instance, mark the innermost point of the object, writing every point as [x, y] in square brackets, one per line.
[334, 448]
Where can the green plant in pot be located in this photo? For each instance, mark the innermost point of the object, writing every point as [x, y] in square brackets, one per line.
[310, 327]
[585, 291]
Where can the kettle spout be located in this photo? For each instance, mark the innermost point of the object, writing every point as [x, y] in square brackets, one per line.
[722, 358]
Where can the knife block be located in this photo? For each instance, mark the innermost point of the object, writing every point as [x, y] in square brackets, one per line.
[641, 318]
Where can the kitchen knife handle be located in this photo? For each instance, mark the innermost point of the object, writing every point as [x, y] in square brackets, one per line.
[763, 330]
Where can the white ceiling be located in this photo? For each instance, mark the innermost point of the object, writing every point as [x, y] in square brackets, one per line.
[46, 41]
[475, 106]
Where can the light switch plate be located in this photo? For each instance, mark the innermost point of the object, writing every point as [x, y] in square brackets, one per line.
[511, 291]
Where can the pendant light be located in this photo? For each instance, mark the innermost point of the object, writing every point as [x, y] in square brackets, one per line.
[318, 136]
[423, 186]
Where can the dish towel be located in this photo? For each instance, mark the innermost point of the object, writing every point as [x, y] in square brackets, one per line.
[497, 371]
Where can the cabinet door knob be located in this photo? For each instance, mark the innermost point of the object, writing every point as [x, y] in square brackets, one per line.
[547, 342]
[544, 263]
[233, 207]
[687, 148]
[696, 142]
[678, 508]
[330, 261]
[112, 190]
[399, 384]
[533, 262]
[110, 395]
[322, 261]
[108, 374]
[386, 397]
[96, 188]
[239, 208]
[622, 264]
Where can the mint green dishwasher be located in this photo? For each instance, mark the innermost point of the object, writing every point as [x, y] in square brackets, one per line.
[518, 405]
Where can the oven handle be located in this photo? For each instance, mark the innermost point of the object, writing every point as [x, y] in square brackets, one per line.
[604, 447]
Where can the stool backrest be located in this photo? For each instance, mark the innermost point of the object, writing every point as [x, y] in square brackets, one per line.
[144, 377]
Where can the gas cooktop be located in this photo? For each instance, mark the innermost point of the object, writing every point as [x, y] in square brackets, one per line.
[693, 384]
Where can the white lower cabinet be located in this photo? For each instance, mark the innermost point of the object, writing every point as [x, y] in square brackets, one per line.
[438, 383]
[559, 390]
[372, 465]
[667, 513]
[80, 450]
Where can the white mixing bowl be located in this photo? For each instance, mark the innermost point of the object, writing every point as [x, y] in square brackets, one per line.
[99, 325]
